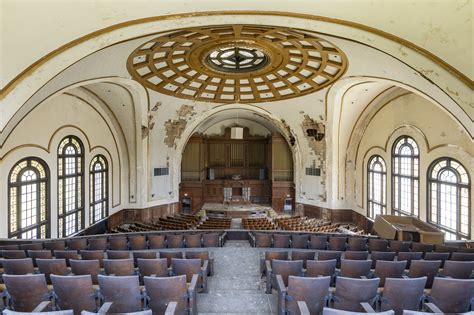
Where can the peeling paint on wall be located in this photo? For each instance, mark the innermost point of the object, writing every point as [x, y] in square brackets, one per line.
[174, 128]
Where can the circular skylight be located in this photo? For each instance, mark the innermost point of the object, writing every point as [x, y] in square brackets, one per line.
[237, 59]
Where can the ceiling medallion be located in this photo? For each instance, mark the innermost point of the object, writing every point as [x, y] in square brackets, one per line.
[237, 63]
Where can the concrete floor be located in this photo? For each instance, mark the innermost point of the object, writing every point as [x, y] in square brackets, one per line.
[236, 287]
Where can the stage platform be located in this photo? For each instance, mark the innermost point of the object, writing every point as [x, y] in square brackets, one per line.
[235, 210]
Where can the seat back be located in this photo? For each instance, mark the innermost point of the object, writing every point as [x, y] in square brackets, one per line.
[13, 254]
[422, 268]
[399, 246]
[314, 291]
[286, 268]
[452, 295]
[160, 291]
[389, 269]
[50, 267]
[409, 256]
[402, 294]
[174, 240]
[355, 268]
[329, 255]
[299, 240]
[118, 243]
[420, 247]
[74, 293]
[144, 254]
[315, 268]
[388, 256]
[263, 240]
[44, 254]
[118, 254]
[318, 242]
[26, 291]
[356, 255]
[460, 256]
[119, 267]
[337, 243]
[357, 243]
[21, 266]
[303, 255]
[458, 269]
[123, 292]
[171, 255]
[193, 240]
[137, 242]
[148, 267]
[95, 254]
[98, 243]
[77, 244]
[280, 255]
[187, 267]
[378, 245]
[32, 246]
[86, 267]
[437, 256]
[201, 254]
[351, 292]
[66, 254]
[156, 241]
[55, 245]
[210, 239]
[281, 240]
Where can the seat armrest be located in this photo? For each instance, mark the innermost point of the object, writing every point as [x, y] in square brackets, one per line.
[363, 277]
[281, 285]
[405, 277]
[268, 266]
[104, 309]
[303, 308]
[205, 266]
[433, 308]
[171, 308]
[42, 306]
[193, 284]
[367, 307]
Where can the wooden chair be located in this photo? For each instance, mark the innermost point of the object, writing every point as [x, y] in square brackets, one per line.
[144, 254]
[95, 254]
[118, 254]
[170, 255]
[156, 241]
[377, 245]
[193, 240]
[316, 268]
[152, 268]
[389, 269]
[44, 254]
[318, 242]
[119, 267]
[387, 256]
[210, 240]
[77, 244]
[159, 291]
[263, 240]
[402, 294]
[451, 295]
[32, 246]
[13, 254]
[204, 255]
[54, 245]
[303, 255]
[189, 268]
[67, 255]
[97, 243]
[86, 267]
[458, 269]
[351, 292]
[420, 247]
[356, 255]
[26, 292]
[355, 269]
[460, 256]
[437, 256]
[174, 240]
[357, 244]
[50, 267]
[337, 243]
[313, 291]
[399, 246]
[118, 243]
[21, 266]
[74, 292]
[284, 268]
[409, 256]
[299, 241]
[137, 242]
[124, 293]
[281, 240]
[424, 268]
[270, 255]
[329, 255]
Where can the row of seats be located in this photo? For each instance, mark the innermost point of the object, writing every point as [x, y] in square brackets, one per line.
[214, 223]
[171, 222]
[124, 242]
[258, 223]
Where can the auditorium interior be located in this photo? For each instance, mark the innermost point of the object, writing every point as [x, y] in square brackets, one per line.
[236, 157]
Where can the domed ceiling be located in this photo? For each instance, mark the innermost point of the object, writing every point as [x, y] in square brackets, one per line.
[237, 63]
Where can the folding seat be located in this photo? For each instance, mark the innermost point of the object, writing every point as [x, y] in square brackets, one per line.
[313, 291]
[210, 240]
[465, 250]
[161, 290]
[174, 240]
[420, 247]
[10, 247]
[402, 294]
[284, 268]
[303, 255]
[170, 255]
[77, 244]
[458, 269]
[389, 269]
[378, 245]
[118, 254]
[409, 256]
[263, 240]
[204, 255]
[96, 254]
[316, 268]
[124, 293]
[22, 266]
[66, 254]
[329, 255]
[86, 267]
[190, 267]
[399, 246]
[451, 295]
[357, 244]
[193, 240]
[13, 254]
[50, 267]
[25, 292]
[437, 256]
[55, 245]
[299, 241]
[74, 292]
[318, 242]
[355, 268]
[97, 243]
[156, 241]
[388, 256]
[445, 249]
[144, 254]
[137, 242]
[118, 243]
[459, 256]
[43, 254]
[281, 240]
[32, 246]
[119, 267]
[152, 267]
[351, 292]
[270, 255]
[356, 255]
[424, 268]
[337, 243]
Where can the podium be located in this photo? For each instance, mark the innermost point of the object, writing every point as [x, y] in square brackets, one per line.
[407, 228]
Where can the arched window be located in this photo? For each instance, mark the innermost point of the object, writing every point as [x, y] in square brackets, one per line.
[376, 186]
[70, 186]
[448, 198]
[405, 176]
[28, 201]
[98, 189]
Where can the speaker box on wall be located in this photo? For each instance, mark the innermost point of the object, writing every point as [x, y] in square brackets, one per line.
[211, 174]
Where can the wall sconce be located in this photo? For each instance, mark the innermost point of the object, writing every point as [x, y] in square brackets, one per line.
[185, 194]
[288, 196]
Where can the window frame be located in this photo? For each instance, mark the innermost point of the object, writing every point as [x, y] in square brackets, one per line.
[105, 188]
[383, 176]
[429, 181]
[17, 185]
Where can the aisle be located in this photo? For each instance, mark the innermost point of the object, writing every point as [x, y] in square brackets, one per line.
[235, 286]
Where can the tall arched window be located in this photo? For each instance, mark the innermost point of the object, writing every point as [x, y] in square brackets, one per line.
[28, 202]
[376, 186]
[70, 186]
[448, 198]
[98, 189]
[405, 176]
